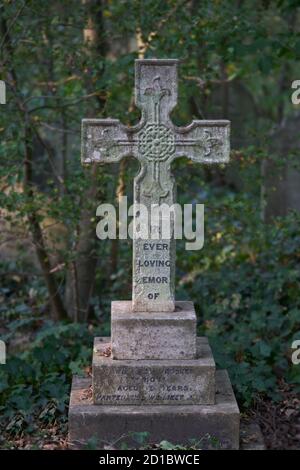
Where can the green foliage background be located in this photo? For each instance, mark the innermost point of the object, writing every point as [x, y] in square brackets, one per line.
[245, 281]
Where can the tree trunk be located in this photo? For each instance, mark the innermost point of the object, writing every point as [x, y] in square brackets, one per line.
[120, 192]
[57, 308]
[82, 270]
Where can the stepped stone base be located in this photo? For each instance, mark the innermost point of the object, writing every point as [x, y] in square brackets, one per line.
[179, 424]
[164, 382]
[153, 335]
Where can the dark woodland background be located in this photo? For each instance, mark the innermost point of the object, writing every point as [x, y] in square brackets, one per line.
[63, 61]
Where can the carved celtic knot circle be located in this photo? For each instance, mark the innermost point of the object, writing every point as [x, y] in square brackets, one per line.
[156, 142]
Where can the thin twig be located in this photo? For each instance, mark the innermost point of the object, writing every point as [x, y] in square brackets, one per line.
[66, 105]
[58, 129]
[11, 24]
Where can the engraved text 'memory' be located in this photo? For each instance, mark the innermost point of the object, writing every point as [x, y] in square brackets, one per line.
[155, 142]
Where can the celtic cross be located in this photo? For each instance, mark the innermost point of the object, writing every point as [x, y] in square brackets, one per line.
[155, 141]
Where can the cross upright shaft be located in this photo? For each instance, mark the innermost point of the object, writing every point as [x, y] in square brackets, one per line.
[155, 141]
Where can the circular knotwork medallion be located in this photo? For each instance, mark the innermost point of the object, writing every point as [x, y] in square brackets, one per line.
[156, 142]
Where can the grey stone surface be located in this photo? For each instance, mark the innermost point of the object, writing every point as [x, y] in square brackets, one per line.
[189, 381]
[151, 378]
[155, 141]
[114, 425]
[153, 335]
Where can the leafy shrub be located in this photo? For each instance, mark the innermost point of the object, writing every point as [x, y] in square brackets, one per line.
[246, 285]
[35, 384]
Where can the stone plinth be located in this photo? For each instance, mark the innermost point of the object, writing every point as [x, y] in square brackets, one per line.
[178, 423]
[188, 381]
[153, 335]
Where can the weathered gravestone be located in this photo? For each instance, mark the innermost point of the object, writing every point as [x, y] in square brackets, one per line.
[154, 374]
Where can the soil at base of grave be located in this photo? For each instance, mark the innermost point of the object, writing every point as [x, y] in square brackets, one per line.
[280, 422]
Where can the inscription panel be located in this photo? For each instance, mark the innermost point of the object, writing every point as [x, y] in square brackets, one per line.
[153, 271]
[153, 382]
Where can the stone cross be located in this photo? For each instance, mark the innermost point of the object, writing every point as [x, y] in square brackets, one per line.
[155, 142]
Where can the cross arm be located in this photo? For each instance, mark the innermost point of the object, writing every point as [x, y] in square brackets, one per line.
[106, 141]
[204, 141]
